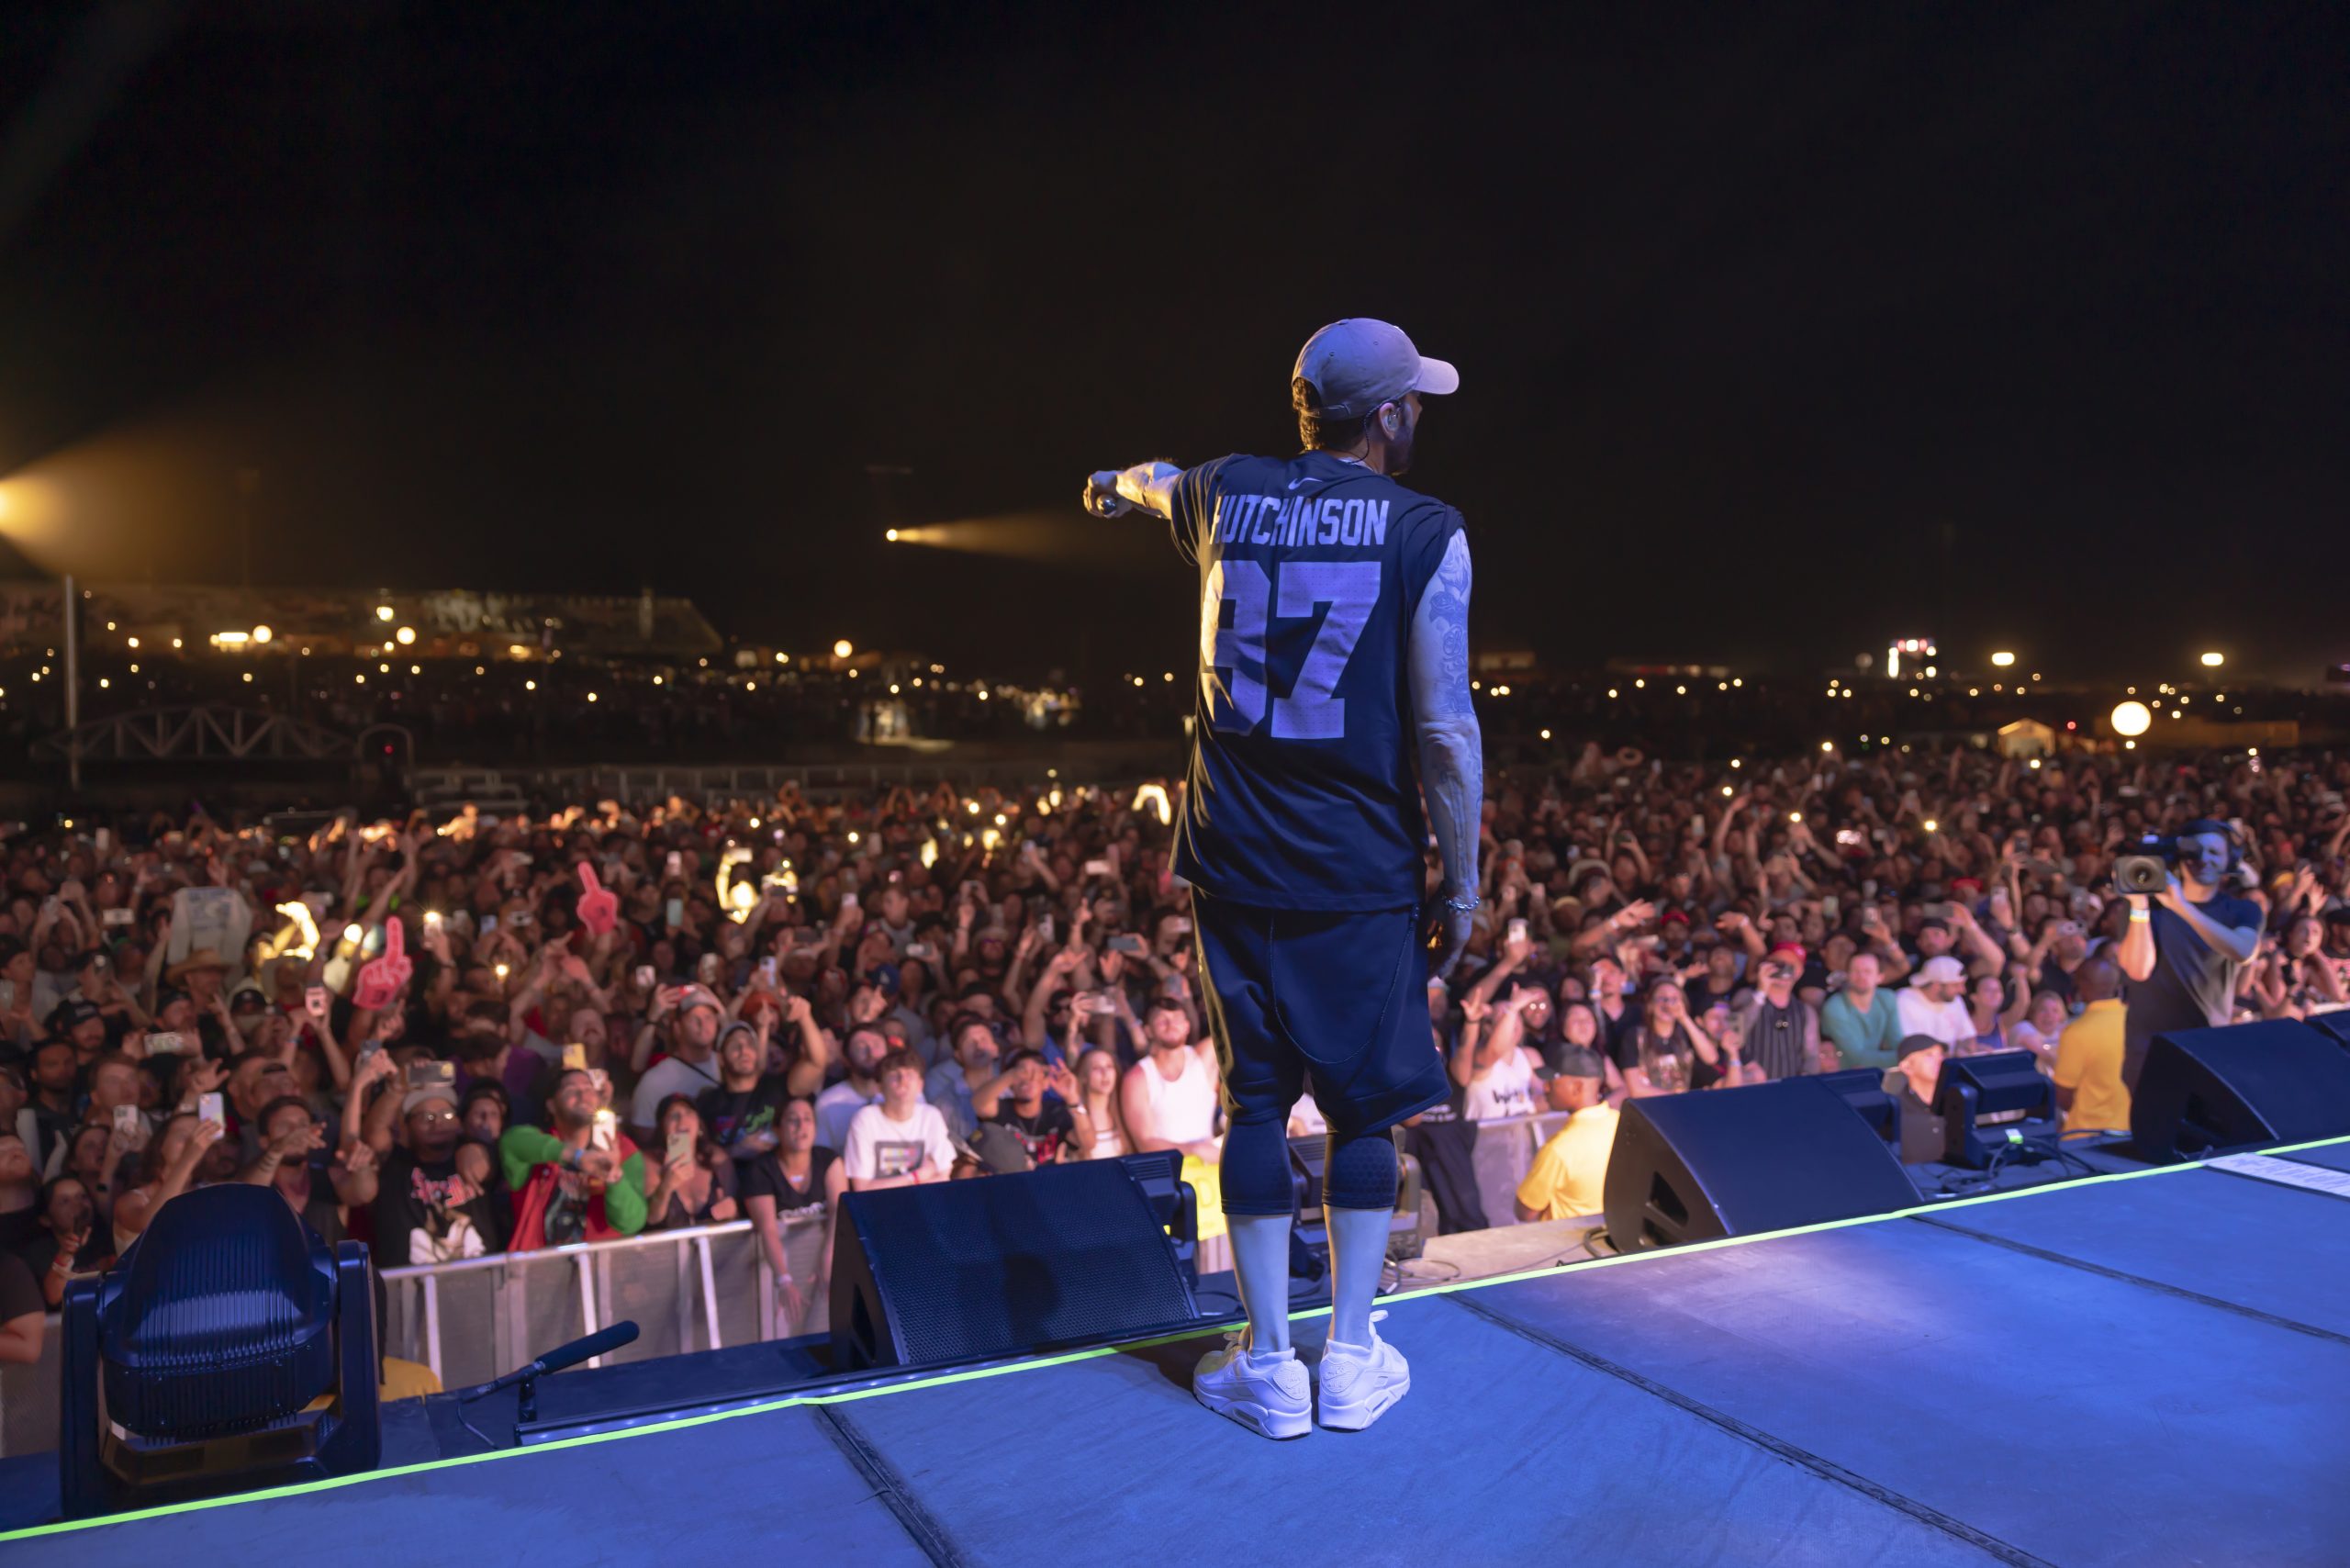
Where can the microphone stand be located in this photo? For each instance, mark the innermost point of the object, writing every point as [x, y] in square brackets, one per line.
[526, 1400]
[524, 1379]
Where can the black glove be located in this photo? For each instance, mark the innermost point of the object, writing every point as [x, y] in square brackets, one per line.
[1444, 930]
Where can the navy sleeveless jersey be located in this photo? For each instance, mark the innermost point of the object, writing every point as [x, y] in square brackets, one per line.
[1304, 783]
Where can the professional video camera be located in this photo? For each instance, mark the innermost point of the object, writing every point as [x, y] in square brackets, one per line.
[2146, 867]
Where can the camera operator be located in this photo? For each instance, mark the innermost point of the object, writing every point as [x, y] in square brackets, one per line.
[2181, 954]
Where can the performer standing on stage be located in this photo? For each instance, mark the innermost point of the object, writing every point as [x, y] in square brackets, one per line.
[1334, 651]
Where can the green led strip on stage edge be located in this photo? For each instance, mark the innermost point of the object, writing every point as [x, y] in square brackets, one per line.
[1092, 1352]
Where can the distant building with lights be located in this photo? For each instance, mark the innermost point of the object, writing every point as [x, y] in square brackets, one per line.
[1665, 669]
[1907, 658]
[455, 623]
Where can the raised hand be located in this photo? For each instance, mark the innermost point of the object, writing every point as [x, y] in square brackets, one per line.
[201, 1075]
[298, 1141]
[374, 1065]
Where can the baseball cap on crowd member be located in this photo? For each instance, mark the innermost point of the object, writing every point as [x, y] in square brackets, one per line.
[425, 1094]
[1912, 1044]
[1942, 970]
[695, 996]
[1357, 364]
[1579, 1061]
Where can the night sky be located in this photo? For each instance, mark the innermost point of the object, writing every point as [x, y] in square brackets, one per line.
[1780, 329]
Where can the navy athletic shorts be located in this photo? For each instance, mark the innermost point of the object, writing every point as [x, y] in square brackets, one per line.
[1333, 1002]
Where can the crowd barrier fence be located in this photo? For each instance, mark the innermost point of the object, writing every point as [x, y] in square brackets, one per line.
[475, 1319]
[696, 1289]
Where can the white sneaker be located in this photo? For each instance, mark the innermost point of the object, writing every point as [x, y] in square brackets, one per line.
[1267, 1393]
[1358, 1385]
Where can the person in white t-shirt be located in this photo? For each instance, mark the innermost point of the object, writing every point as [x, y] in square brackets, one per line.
[1498, 1069]
[902, 1142]
[1932, 1003]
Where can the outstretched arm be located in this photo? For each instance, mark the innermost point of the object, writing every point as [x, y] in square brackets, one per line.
[1452, 772]
[1149, 485]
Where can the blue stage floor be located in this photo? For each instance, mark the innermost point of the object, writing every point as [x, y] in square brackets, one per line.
[2149, 1370]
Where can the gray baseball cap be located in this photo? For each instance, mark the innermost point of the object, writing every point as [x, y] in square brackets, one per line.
[1356, 365]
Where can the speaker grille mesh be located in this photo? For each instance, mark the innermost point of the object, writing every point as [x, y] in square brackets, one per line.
[1004, 1264]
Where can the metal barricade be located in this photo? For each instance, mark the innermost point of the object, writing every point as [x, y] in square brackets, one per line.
[475, 1319]
[29, 1397]
[700, 1288]
[697, 1289]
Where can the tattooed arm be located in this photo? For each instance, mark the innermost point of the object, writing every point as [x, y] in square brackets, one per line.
[1452, 760]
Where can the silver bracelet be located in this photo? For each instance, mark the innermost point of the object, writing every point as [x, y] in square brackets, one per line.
[1464, 904]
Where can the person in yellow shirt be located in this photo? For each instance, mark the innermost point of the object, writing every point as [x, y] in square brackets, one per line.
[2090, 1089]
[407, 1380]
[1570, 1175]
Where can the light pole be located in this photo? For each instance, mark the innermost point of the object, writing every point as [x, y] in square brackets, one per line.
[73, 686]
[248, 484]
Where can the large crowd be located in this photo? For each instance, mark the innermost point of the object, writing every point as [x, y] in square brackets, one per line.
[459, 1036]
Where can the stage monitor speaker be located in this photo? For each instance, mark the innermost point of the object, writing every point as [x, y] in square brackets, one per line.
[1734, 1162]
[1993, 1101]
[2335, 1026]
[2209, 1090]
[1863, 1088]
[1174, 1204]
[951, 1271]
